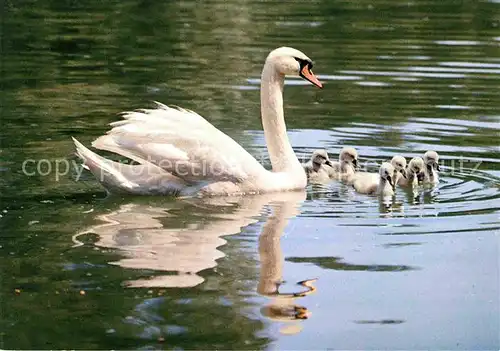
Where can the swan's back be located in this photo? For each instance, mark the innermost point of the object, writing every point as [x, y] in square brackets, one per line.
[182, 143]
[366, 183]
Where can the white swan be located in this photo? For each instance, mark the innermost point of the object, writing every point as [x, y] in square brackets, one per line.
[381, 184]
[414, 173]
[318, 167]
[431, 160]
[180, 153]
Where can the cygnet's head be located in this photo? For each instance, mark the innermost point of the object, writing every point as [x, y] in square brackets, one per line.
[320, 157]
[399, 164]
[387, 172]
[416, 166]
[431, 160]
[292, 62]
[350, 156]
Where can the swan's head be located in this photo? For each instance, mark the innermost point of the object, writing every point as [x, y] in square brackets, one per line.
[292, 62]
[399, 164]
[431, 160]
[320, 157]
[387, 173]
[416, 166]
[349, 155]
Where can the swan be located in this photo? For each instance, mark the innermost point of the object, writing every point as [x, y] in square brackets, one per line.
[181, 153]
[414, 173]
[382, 185]
[345, 168]
[431, 160]
[318, 167]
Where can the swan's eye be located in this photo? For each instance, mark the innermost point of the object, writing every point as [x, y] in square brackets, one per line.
[304, 63]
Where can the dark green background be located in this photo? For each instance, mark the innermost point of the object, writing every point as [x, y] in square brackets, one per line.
[399, 76]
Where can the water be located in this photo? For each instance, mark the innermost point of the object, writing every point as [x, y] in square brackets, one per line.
[97, 272]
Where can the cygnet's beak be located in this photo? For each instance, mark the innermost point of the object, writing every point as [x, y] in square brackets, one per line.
[355, 163]
[328, 163]
[403, 172]
[389, 179]
[308, 75]
[436, 166]
[420, 176]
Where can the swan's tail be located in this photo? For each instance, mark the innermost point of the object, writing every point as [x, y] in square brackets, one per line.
[118, 177]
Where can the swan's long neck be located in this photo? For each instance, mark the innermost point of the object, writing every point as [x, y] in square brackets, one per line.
[283, 158]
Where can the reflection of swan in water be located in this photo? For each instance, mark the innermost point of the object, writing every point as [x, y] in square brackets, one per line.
[153, 237]
[282, 307]
[137, 230]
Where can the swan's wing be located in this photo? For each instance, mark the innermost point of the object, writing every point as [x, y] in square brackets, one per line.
[181, 142]
[143, 179]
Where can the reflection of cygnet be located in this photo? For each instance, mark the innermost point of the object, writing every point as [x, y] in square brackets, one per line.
[414, 173]
[318, 168]
[431, 160]
[382, 184]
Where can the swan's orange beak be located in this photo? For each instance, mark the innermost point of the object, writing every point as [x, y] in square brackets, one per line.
[307, 74]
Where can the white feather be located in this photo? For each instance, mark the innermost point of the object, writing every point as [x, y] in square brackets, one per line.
[180, 142]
